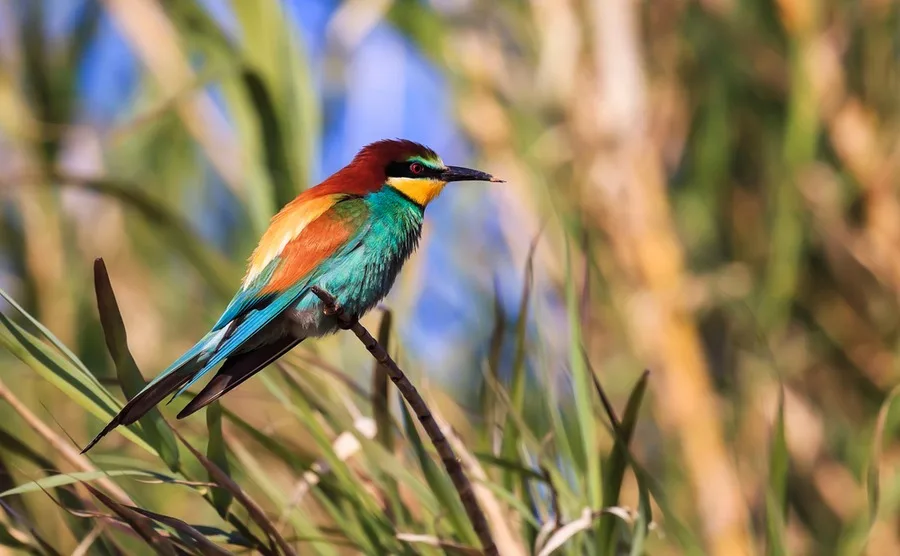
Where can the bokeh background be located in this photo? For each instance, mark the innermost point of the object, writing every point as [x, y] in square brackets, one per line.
[706, 189]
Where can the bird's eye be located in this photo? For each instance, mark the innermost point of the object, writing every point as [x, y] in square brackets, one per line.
[416, 168]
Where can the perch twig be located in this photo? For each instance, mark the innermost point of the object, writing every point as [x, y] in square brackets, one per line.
[418, 405]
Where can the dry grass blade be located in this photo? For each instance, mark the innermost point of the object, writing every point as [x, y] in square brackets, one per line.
[446, 546]
[141, 525]
[418, 405]
[224, 481]
[583, 523]
[70, 453]
[87, 542]
[507, 541]
[130, 378]
[204, 545]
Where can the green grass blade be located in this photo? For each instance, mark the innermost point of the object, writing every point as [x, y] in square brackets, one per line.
[53, 368]
[390, 467]
[215, 451]
[366, 524]
[63, 375]
[582, 384]
[302, 409]
[512, 466]
[642, 523]
[278, 104]
[69, 497]
[489, 406]
[776, 494]
[152, 424]
[54, 481]
[614, 472]
[49, 336]
[515, 502]
[510, 445]
[301, 521]
[873, 472]
[438, 481]
[271, 133]
[344, 516]
[293, 456]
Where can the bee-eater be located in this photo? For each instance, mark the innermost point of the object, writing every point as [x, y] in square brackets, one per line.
[348, 235]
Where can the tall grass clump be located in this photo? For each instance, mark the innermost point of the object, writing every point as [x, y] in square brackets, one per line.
[674, 330]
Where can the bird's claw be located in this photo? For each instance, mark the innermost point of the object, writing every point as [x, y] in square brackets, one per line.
[344, 321]
[333, 308]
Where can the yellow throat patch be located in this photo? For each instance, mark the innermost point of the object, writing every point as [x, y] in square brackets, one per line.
[420, 190]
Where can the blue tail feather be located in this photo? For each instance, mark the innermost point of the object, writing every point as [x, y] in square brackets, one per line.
[221, 342]
[206, 344]
[255, 321]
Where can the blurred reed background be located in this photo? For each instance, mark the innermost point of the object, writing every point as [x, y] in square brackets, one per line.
[710, 188]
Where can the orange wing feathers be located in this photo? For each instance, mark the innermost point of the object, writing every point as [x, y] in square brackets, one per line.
[285, 227]
[319, 240]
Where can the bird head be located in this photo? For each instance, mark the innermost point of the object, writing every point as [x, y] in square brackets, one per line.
[412, 169]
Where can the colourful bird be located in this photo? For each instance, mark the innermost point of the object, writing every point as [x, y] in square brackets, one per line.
[349, 235]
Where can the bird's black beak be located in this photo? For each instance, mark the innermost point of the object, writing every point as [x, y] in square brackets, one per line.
[458, 173]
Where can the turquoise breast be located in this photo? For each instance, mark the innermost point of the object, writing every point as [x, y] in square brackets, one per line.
[365, 271]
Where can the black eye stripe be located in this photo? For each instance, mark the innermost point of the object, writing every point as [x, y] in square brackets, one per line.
[402, 170]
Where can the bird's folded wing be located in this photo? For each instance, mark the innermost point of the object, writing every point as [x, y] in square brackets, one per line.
[287, 276]
[300, 240]
[263, 297]
[284, 280]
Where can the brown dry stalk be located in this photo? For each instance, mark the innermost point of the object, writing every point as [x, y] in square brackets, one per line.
[507, 539]
[420, 408]
[628, 183]
[69, 452]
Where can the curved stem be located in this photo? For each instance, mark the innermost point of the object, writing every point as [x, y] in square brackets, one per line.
[420, 408]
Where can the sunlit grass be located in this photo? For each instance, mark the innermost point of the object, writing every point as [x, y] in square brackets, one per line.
[367, 497]
[713, 191]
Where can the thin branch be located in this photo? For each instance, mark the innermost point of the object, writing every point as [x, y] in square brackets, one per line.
[418, 405]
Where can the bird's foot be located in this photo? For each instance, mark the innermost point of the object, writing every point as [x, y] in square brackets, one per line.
[334, 309]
